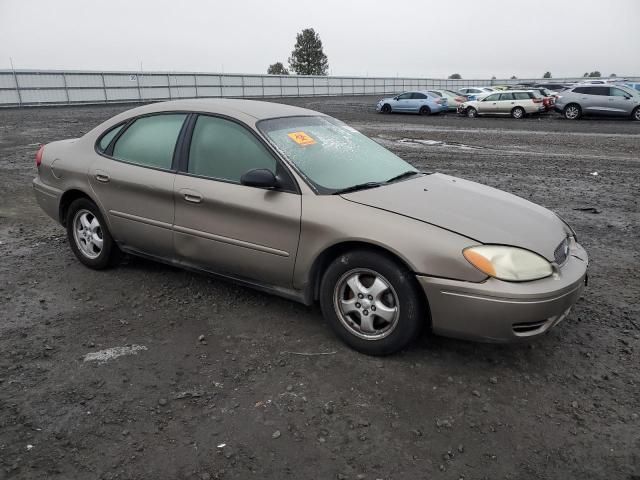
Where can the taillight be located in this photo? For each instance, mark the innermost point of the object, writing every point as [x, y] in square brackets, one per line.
[538, 100]
[441, 101]
[39, 154]
[461, 99]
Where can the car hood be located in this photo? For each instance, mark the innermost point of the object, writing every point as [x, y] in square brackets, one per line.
[481, 213]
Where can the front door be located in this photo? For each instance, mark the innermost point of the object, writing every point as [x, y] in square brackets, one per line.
[489, 104]
[223, 226]
[133, 181]
[403, 102]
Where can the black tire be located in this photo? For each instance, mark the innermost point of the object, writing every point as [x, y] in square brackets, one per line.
[109, 254]
[386, 108]
[517, 112]
[572, 111]
[424, 110]
[635, 115]
[472, 112]
[410, 314]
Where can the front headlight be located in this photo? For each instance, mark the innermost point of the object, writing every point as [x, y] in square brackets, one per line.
[508, 263]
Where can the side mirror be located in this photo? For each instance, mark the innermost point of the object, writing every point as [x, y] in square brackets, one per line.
[395, 98]
[259, 177]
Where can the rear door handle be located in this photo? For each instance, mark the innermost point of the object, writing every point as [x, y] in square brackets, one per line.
[102, 177]
[191, 196]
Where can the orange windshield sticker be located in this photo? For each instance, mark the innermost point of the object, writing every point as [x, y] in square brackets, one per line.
[301, 138]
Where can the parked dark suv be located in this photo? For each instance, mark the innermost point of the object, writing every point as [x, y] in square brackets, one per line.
[605, 100]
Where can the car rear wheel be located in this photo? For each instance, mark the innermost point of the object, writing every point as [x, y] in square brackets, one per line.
[472, 112]
[89, 236]
[424, 110]
[636, 114]
[371, 302]
[572, 112]
[517, 112]
[386, 108]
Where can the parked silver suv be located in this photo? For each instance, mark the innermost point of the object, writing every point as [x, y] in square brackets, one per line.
[589, 99]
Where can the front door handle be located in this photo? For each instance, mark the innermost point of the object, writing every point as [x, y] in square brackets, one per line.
[191, 196]
[102, 177]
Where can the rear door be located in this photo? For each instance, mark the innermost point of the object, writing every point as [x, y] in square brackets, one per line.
[223, 226]
[133, 178]
[596, 100]
[506, 103]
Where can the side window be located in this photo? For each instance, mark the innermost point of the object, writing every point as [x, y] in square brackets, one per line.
[150, 141]
[637, 86]
[617, 92]
[521, 96]
[492, 98]
[604, 91]
[106, 139]
[405, 96]
[506, 96]
[225, 150]
[418, 96]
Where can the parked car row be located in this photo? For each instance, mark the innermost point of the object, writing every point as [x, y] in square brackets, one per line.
[570, 100]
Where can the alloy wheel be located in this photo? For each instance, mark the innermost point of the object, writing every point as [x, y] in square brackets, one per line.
[87, 233]
[572, 112]
[366, 304]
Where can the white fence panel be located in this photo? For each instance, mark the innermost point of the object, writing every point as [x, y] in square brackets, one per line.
[33, 87]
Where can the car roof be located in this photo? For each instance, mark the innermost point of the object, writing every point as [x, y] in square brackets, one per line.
[232, 107]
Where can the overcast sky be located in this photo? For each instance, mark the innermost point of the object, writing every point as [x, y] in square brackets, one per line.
[476, 38]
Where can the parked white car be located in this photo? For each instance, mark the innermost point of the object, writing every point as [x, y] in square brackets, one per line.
[473, 93]
[517, 103]
[454, 99]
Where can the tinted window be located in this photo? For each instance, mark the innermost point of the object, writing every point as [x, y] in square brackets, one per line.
[492, 98]
[637, 86]
[521, 96]
[506, 96]
[223, 149]
[598, 91]
[420, 96]
[150, 141]
[618, 92]
[106, 139]
[583, 90]
[405, 96]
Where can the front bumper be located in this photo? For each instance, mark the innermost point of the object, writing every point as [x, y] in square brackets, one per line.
[498, 311]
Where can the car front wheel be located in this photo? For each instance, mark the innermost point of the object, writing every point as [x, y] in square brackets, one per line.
[386, 108]
[89, 236]
[372, 302]
[472, 112]
[636, 114]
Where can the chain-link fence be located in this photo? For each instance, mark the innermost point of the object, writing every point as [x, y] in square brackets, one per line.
[33, 87]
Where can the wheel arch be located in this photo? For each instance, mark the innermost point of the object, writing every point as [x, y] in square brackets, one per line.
[67, 198]
[332, 252]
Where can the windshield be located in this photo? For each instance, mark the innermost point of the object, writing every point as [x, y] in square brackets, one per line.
[330, 154]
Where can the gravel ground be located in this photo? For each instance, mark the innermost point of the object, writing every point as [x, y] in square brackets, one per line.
[211, 382]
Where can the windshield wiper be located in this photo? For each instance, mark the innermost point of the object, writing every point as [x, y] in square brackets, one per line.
[360, 186]
[408, 173]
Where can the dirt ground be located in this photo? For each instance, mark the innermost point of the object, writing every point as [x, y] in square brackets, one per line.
[243, 403]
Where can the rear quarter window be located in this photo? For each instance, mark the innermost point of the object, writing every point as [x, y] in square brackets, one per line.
[104, 142]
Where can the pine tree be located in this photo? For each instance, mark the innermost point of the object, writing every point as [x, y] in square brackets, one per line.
[455, 76]
[307, 57]
[547, 75]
